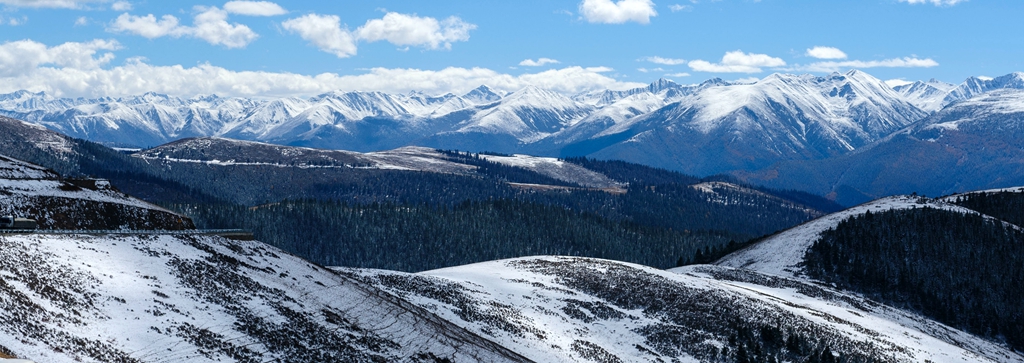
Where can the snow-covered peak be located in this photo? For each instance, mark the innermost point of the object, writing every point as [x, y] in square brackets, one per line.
[927, 96]
[974, 86]
[482, 95]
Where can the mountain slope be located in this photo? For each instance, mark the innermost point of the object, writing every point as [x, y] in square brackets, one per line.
[578, 309]
[203, 299]
[745, 127]
[945, 261]
[31, 191]
[976, 144]
[782, 254]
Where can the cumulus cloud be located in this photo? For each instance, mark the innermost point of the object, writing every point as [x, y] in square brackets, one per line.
[81, 21]
[905, 62]
[618, 12]
[121, 6]
[537, 63]
[78, 69]
[81, 70]
[934, 2]
[664, 61]
[147, 26]
[738, 62]
[25, 56]
[678, 75]
[254, 8]
[411, 30]
[826, 53]
[210, 24]
[324, 32]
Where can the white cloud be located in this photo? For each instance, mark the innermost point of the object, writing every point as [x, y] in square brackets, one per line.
[934, 2]
[60, 4]
[676, 7]
[539, 62]
[254, 8]
[738, 62]
[905, 62]
[78, 70]
[664, 61]
[411, 30]
[81, 21]
[121, 6]
[25, 56]
[618, 12]
[147, 26]
[826, 53]
[678, 75]
[17, 21]
[324, 32]
[210, 24]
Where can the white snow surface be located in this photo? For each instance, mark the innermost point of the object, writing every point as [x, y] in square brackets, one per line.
[557, 169]
[20, 180]
[781, 254]
[547, 309]
[146, 298]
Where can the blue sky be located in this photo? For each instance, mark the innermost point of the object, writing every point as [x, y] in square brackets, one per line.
[302, 48]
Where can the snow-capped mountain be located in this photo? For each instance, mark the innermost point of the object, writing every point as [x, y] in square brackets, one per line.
[748, 126]
[975, 86]
[929, 96]
[968, 145]
[527, 113]
[707, 128]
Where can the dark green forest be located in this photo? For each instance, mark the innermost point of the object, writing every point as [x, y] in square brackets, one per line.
[318, 213]
[421, 237]
[1007, 206]
[960, 269]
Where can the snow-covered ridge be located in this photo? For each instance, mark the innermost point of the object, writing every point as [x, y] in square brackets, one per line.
[782, 253]
[574, 309]
[228, 152]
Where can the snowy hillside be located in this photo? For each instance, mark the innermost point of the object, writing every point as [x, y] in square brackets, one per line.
[31, 191]
[76, 298]
[578, 309]
[781, 254]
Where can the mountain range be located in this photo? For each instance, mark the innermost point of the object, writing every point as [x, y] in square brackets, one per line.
[754, 131]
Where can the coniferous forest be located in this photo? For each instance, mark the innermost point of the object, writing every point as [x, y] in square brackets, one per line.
[964, 270]
[422, 237]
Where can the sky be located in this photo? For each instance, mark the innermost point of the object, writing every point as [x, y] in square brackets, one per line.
[300, 48]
